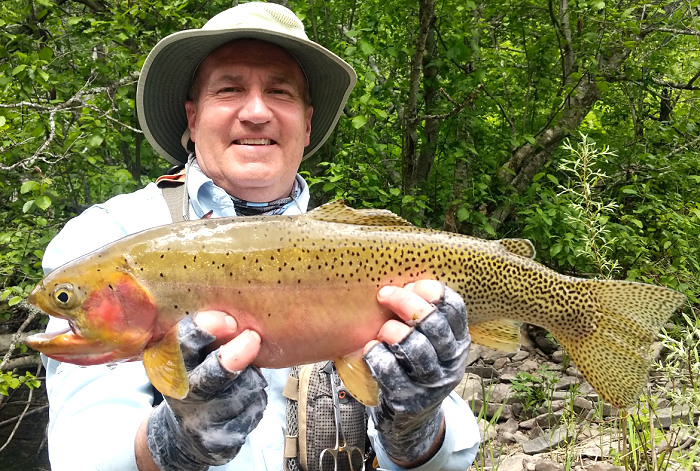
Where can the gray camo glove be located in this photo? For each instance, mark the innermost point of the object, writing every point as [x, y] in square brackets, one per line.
[209, 426]
[415, 375]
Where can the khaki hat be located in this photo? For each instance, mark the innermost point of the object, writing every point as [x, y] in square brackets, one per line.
[169, 68]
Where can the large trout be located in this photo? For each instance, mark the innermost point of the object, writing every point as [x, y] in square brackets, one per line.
[307, 284]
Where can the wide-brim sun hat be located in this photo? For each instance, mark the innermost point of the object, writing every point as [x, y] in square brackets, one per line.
[168, 70]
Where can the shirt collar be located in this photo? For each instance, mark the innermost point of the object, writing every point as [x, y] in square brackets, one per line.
[205, 196]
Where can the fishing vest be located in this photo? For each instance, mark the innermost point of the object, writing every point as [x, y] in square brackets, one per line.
[311, 424]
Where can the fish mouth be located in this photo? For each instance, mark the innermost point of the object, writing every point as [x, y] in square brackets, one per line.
[68, 346]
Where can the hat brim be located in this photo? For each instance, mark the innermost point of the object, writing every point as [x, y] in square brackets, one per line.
[166, 75]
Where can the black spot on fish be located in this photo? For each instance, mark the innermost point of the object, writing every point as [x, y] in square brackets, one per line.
[161, 275]
[162, 255]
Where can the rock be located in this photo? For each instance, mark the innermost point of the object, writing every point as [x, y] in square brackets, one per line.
[486, 372]
[520, 356]
[516, 462]
[558, 356]
[605, 467]
[582, 405]
[500, 363]
[545, 442]
[547, 465]
[545, 420]
[665, 417]
[529, 366]
[510, 426]
[487, 431]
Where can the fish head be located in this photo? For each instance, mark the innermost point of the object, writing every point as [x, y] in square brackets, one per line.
[112, 316]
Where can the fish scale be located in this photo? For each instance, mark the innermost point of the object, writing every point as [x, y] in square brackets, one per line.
[307, 284]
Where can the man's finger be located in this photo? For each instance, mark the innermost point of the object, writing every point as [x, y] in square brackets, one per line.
[405, 303]
[221, 325]
[241, 351]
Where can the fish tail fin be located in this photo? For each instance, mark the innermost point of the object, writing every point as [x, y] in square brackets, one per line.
[611, 343]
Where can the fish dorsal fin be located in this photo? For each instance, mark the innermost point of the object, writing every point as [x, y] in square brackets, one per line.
[338, 211]
[522, 247]
[165, 366]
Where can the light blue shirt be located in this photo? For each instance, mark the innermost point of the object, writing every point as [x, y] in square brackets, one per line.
[95, 411]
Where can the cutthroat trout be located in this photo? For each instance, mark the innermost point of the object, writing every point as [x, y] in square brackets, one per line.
[307, 284]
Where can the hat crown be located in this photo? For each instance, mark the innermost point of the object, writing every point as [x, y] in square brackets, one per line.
[265, 16]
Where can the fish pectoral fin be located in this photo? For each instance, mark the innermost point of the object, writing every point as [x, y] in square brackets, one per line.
[502, 334]
[522, 247]
[337, 211]
[165, 366]
[358, 379]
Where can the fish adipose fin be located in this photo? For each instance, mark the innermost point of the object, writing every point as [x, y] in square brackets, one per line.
[165, 366]
[502, 334]
[522, 247]
[611, 345]
[337, 211]
[358, 379]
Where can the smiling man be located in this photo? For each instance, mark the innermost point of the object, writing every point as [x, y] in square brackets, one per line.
[240, 102]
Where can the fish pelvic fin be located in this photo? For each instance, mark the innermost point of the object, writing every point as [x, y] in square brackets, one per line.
[358, 379]
[165, 366]
[612, 347]
[522, 247]
[337, 211]
[501, 334]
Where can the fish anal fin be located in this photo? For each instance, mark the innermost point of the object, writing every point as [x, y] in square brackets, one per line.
[338, 212]
[358, 379]
[165, 366]
[501, 334]
[522, 247]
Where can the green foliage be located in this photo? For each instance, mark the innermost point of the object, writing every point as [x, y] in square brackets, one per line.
[11, 380]
[533, 391]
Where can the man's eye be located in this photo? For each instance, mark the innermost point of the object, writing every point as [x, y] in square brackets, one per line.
[229, 90]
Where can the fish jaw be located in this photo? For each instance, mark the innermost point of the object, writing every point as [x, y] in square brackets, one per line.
[72, 348]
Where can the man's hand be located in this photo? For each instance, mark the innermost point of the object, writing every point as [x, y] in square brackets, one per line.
[225, 402]
[417, 364]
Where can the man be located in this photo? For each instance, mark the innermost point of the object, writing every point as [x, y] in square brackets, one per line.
[261, 98]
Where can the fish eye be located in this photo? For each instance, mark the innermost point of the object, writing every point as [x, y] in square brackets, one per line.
[64, 295]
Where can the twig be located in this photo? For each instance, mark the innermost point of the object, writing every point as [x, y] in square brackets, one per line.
[33, 312]
[21, 416]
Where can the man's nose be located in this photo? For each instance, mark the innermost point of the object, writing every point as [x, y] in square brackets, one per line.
[255, 108]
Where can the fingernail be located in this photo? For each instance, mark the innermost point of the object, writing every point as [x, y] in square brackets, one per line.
[254, 335]
[231, 323]
[386, 291]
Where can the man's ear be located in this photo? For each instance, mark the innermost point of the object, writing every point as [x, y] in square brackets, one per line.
[309, 114]
[191, 111]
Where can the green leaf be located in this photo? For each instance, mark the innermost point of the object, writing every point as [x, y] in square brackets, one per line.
[95, 140]
[555, 249]
[366, 47]
[2, 121]
[552, 179]
[46, 53]
[19, 69]
[637, 222]
[14, 300]
[27, 206]
[463, 214]
[358, 122]
[28, 186]
[43, 202]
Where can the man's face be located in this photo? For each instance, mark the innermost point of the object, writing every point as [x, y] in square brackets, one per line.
[249, 121]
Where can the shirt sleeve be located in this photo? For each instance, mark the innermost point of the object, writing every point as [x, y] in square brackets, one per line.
[95, 411]
[459, 446]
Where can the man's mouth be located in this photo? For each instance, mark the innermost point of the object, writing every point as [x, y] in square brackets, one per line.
[258, 141]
